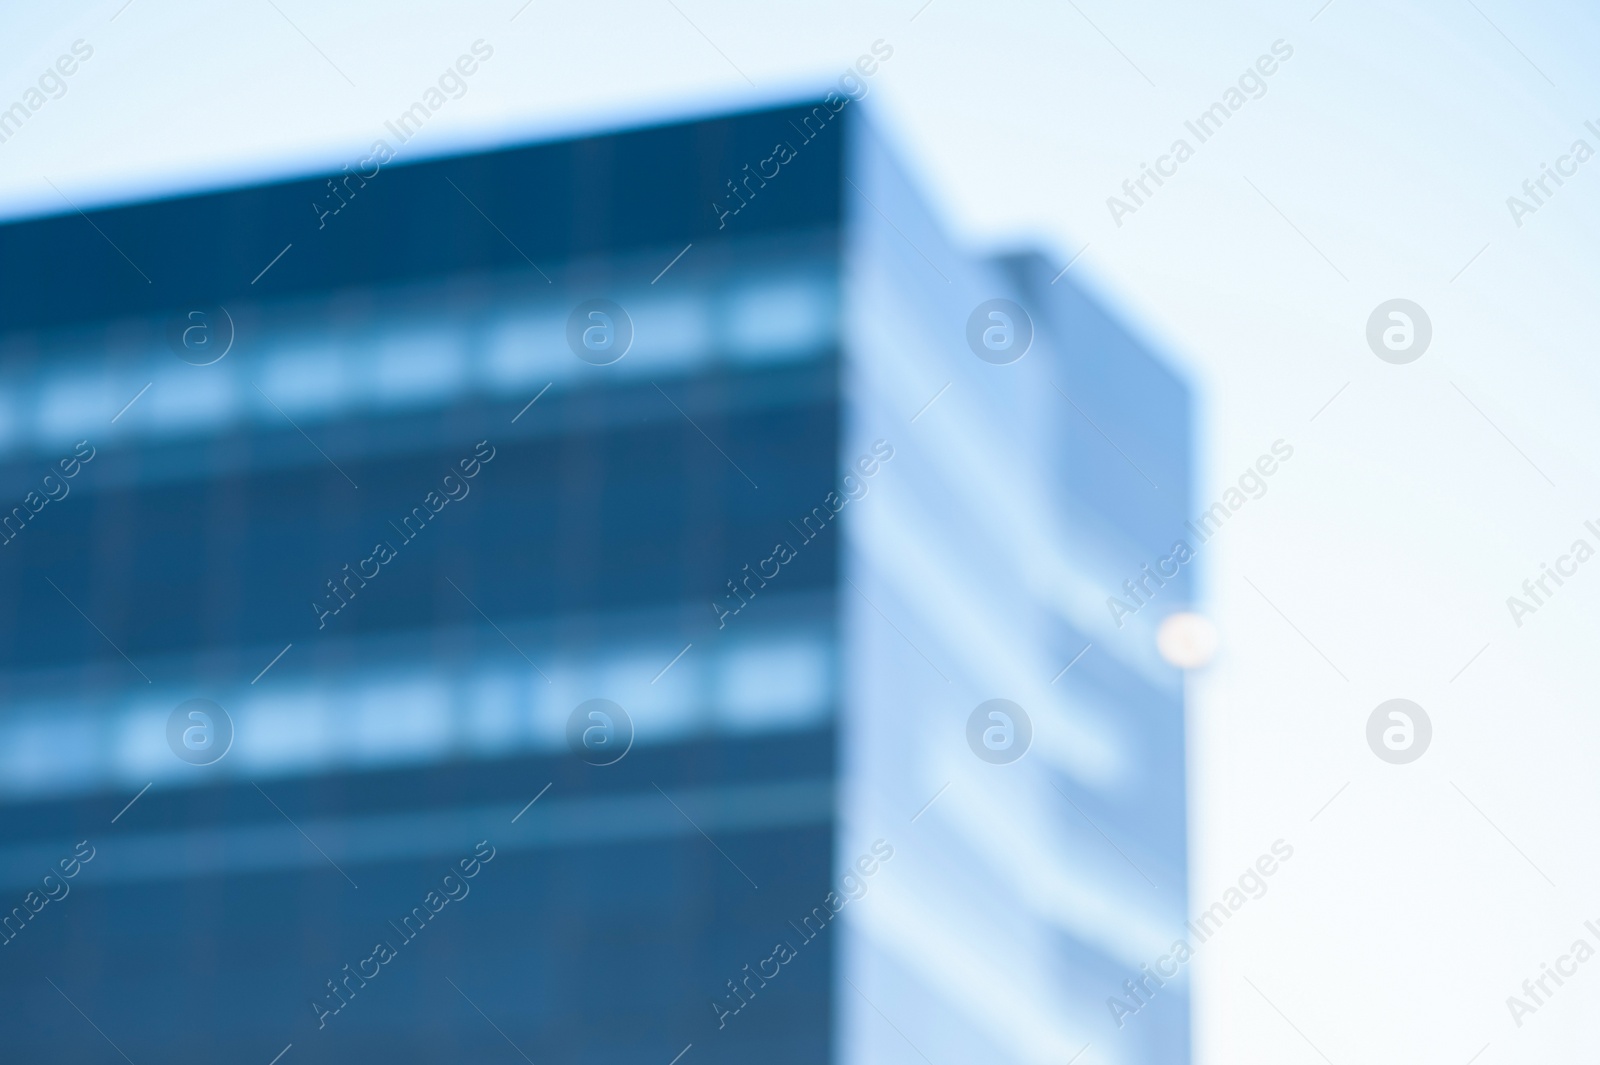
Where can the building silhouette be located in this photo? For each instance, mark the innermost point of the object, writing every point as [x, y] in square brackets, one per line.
[548, 600]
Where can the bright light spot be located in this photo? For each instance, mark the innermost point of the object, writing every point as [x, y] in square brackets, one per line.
[1187, 640]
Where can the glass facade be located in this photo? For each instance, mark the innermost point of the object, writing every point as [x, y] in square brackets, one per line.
[402, 531]
[1026, 893]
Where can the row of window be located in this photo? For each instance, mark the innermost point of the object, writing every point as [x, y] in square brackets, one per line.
[396, 711]
[414, 354]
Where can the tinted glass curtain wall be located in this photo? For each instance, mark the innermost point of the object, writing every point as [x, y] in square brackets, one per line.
[398, 532]
[522, 613]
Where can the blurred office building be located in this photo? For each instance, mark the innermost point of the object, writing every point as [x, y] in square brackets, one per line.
[634, 598]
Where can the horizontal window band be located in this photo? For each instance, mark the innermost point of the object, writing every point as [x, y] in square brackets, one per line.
[352, 842]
